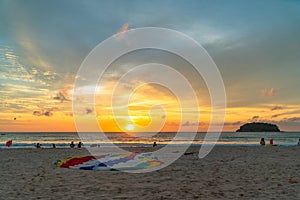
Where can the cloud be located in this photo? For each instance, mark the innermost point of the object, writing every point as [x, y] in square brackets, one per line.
[187, 123]
[48, 113]
[267, 93]
[272, 92]
[41, 113]
[263, 92]
[60, 96]
[292, 119]
[124, 28]
[277, 108]
[120, 35]
[88, 111]
[70, 114]
[255, 117]
[274, 116]
[233, 123]
[64, 94]
[236, 123]
[37, 113]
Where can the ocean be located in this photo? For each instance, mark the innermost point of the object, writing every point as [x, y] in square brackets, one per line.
[63, 139]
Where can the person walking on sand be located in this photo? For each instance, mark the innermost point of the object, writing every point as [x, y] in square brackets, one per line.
[262, 141]
[72, 145]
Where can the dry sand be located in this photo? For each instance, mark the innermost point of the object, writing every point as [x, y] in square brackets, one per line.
[226, 173]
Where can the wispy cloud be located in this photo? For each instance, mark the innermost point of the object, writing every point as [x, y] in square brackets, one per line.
[121, 34]
[276, 108]
[275, 116]
[188, 123]
[45, 112]
[255, 117]
[64, 94]
[291, 119]
[88, 111]
[267, 93]
[272, 92]
[41, 113]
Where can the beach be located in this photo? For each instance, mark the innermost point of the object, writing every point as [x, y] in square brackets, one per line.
[226, 173]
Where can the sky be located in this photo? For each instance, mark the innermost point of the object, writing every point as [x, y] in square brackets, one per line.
[255, 44]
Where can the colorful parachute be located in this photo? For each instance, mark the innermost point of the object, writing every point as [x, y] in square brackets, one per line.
[111, 162]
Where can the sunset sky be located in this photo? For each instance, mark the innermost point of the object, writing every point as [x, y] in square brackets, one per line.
[255, 44]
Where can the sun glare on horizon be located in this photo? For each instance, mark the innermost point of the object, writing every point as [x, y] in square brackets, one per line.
[130, 127]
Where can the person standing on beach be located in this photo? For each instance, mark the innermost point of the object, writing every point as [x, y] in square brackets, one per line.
[72, 145]
[262, 141]
[79, 145]
[299, 142]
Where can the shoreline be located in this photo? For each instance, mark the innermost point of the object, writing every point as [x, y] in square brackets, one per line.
[66, 146]
[62, 140]
[142, 148]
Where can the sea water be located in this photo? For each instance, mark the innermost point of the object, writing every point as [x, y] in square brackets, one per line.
[63, 139]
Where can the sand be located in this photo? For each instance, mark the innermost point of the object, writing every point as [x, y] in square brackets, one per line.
[226, 173]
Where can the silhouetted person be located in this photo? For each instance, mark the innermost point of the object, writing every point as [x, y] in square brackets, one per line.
[262, 141]
[38, 145]
[79, 145]
[154, 144]
[72, 145]
[53, 146]
[299, 142]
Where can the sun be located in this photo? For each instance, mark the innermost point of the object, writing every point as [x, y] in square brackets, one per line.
[129, 127]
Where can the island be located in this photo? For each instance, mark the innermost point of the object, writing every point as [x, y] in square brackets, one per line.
[258, 127]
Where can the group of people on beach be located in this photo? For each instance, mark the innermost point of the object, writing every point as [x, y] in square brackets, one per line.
[263, 142]
[80, 144]
[38, 145]
[72, 145]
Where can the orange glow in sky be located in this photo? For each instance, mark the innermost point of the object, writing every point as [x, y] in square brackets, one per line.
[39, 59]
